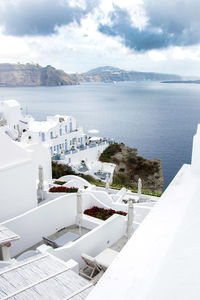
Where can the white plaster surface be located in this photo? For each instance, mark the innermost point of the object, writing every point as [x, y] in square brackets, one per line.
[161, 261]
[17, 180]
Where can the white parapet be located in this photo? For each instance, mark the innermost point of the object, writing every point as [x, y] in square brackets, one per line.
[196, 152]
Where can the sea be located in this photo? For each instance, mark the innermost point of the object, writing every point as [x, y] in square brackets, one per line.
[158, 119]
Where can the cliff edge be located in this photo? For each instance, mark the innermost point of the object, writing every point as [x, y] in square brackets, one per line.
[13, 75]
[130, 167]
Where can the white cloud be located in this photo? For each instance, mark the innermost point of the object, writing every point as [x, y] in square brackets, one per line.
[157, 56]
[79, 48]
[181, 53]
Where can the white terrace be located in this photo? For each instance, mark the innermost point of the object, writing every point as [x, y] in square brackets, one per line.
[161, 260]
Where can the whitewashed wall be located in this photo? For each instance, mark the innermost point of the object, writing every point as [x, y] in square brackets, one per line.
[106, 201]
[196, 152]
[41, 156]
[17, 190]
[42, 221]
[90, 200]
[94, 241]
[17, 180]
[56, 214]
[46, 219]
[11, 112]
[74, 181]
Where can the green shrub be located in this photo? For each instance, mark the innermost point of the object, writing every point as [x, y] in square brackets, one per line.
[59, 182]
[121, 178]
[110, 151]
[59, 170]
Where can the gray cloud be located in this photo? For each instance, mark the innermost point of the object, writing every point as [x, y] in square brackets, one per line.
[174, 23]
[39, 17]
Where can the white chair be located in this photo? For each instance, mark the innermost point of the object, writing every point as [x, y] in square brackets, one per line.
[91, 269]
[99, 264]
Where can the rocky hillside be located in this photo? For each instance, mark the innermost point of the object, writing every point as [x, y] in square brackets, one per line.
[33, 75]
[130, 167]
[110, 74]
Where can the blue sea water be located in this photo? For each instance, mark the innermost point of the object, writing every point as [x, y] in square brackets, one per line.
[159, 119]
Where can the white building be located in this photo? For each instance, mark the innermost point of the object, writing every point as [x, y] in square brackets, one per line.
[17, 181]
[19, 175]
[12, 119]
[10, 110]
[59, 132]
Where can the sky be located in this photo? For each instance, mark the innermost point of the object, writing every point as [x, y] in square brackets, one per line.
[78, 35]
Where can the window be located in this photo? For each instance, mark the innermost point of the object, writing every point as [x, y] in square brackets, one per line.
[51, 135]
[60, 131]
[51, 148]
[66, 128]
[43, 136]
[70, 124]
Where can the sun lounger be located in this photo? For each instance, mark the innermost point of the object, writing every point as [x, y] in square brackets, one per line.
[62, 240]
[99, 264]
[105, 258]
[91, 269]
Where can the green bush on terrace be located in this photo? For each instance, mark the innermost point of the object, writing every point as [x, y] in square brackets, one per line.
[59, 182]
[59, 170]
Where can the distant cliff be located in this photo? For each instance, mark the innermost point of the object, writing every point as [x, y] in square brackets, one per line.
[182, 81]
[130, 167]
[13, 75]
[111, 74]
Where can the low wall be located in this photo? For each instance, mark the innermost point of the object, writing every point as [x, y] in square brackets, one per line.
[94, 241]
[106, 200]
[42, 221]
[56, 214]
[90, 200]
[90, 222]
[74, 181]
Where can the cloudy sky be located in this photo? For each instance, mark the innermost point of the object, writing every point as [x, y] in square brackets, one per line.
[77, 35]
